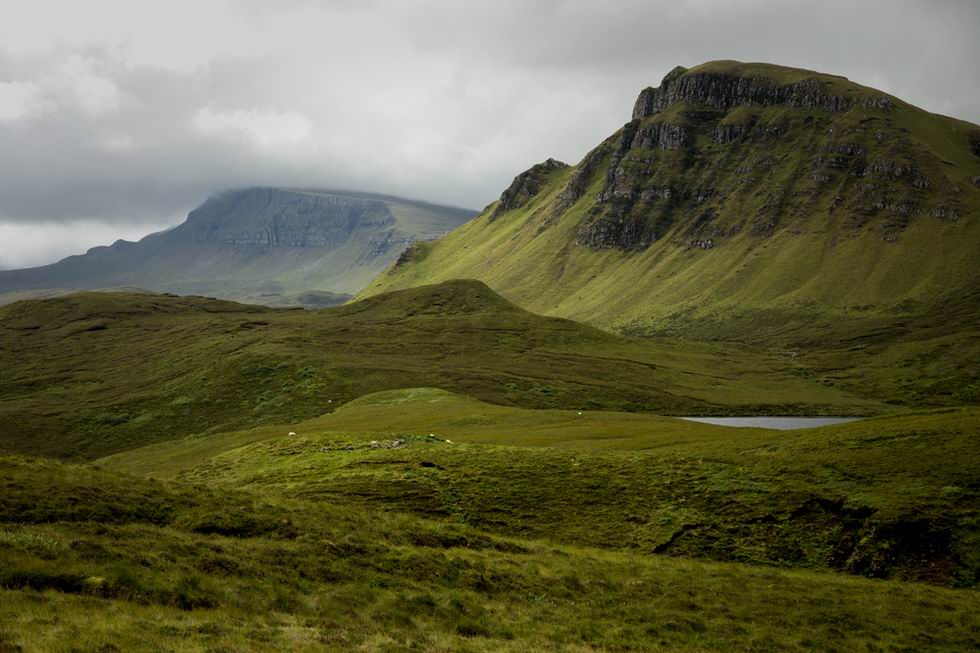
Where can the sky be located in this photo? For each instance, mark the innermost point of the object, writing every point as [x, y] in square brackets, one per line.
[117, 117]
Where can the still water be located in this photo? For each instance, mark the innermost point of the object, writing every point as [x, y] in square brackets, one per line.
[780, 423]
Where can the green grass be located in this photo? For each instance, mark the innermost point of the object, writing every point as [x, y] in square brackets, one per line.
[89, 374]
[888, 497]
[215, 570]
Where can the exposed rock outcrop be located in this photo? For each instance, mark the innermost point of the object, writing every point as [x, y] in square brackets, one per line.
[272, 217]
[525, 186]
[662, 136]
[575, 188]
[727, 90]
[707, 137]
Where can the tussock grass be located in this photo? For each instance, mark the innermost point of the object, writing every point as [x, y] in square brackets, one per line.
[355, 579]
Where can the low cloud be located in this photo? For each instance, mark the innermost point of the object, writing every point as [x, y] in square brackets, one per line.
[17, 100]
[266, 129]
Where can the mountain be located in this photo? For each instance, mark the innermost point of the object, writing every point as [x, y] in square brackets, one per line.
[749, 202]
[263, 245]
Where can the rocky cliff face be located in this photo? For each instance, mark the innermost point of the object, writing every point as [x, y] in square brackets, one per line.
[525, 186]
[724, 148]
[272, 217]
[724, 90]
[268, 245]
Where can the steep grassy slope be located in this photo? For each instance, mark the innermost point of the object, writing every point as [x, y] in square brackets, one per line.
[264, 245]
[89, 374]
[887, 497]
[142, 565]
[759, 204]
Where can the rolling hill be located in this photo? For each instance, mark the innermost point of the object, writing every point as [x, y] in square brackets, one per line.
[263, 245]
[94, 373]
[785, 208]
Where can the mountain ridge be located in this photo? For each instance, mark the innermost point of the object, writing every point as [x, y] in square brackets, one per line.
[261, 244]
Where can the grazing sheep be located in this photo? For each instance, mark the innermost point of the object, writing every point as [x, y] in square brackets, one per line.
[291, 433]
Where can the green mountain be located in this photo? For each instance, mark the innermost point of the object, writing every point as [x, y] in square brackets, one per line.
[755, 203]
[94, 373]
[261, 245]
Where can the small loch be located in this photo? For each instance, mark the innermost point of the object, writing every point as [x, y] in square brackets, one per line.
[778, 423]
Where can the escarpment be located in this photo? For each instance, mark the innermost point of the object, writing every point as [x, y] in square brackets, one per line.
[272, 217]
[728, 147]
[525, 186]
[267, 245]
[724, 90]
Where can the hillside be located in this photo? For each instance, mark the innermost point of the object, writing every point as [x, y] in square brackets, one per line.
[94, 373]
[262, 245]
[754, 203]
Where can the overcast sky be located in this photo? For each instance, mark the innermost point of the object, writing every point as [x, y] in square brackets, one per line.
[118, 117]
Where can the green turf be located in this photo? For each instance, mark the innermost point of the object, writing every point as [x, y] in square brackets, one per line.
[438, 469]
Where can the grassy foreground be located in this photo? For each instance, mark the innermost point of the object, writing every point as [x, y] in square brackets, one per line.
[267, 482]
[148, 565]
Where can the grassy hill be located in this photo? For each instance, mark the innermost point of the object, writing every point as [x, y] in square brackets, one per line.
[892, 497]
[146, 565]
[90, 374]
[745, 202]
[262, 245]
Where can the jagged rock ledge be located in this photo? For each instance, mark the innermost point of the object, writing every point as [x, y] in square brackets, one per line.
[726, 90]
[272, 217]
[525, 186]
